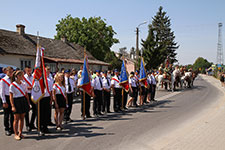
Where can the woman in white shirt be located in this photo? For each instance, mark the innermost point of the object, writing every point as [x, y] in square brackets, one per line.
[60, 99]
[19, 101]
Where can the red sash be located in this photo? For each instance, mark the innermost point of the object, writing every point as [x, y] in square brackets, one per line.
[60, 90]
[27, 82]
[116, 80]
[19, 89]
[6, 82]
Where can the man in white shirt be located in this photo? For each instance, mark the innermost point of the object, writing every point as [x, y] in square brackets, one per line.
[45, 105]
[106, 92]
[4, 94]
[28, 78]
[117, 91]
[69, 83]
[153, 83]
[98, 87]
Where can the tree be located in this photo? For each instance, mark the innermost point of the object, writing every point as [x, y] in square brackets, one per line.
[160, 41]
[93, 33]
[113, 60]
[201, 63]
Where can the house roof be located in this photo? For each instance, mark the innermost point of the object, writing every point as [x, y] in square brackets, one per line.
[55, 50]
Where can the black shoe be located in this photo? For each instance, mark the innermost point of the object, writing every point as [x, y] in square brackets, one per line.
[109, 112]
[88, 116]
[7, 133]
[116, 111]
[100, 114]
[28, 128]
[96, 116]
[46, 130]
[70, 120]
[32, 127]
[51, 124]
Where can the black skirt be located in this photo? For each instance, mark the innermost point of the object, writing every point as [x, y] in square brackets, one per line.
[134, 93]
[142, 91]
[21, 105]
[60, 101]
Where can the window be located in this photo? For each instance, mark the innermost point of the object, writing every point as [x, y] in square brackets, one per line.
[25, 62]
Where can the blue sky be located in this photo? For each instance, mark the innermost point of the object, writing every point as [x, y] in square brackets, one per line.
[194, 22]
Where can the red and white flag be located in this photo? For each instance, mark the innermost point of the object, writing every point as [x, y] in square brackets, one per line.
[39, 77]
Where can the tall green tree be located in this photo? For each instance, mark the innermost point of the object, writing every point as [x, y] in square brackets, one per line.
[201, 63]
[160, 41]
[93, 33]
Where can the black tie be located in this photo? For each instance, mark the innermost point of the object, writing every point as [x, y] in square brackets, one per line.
[69, 85]
[107, 81]
[100, 82]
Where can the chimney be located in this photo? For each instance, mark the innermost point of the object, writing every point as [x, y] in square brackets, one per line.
[64, 39]
[20, 29]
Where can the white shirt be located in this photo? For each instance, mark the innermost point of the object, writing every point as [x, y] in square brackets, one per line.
[115, 81]
[29, 79]
[71, 84]
[50, 87]
[153, 80]
[106, 84]
[4, 88]
[57, 91]
[97, 83]
[16, 92]
[132, 81]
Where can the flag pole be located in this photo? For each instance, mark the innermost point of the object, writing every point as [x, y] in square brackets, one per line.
[38, 101]
[83, 90]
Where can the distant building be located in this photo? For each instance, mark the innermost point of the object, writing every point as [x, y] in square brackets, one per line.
[19, 49]
[130, 63]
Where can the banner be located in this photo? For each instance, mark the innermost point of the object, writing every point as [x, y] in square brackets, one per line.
[143, 75]
[39, 77]
[85, 79]
[124, 78]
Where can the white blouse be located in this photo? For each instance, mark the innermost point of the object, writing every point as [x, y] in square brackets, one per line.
[16, 92]
[57, 91]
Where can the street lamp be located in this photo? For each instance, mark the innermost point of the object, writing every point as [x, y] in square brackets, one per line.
[137, 36]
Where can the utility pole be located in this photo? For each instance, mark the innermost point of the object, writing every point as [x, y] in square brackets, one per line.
[137, 48]
[220, 46]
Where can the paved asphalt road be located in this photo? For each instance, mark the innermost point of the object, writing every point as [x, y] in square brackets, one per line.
[133, 129]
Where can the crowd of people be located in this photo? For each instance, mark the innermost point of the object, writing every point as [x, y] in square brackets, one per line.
[16, 86]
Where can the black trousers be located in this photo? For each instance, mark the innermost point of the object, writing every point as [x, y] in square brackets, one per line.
[146, 95]
[87, 103]
[97, 102]
[34, 113]
[136, 96]
[125, 94]
[106, 101]
[153, 92]
[69, 109]
[45, 112]
[8, 116]
[117, 99]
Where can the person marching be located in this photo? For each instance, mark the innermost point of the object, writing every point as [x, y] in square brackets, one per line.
[117, 90]
[60, 99]
[4, 93]
[69, 91]
[137, 83]
[106, 92]
[142, 93]
[153, 83]
[132, 89]
[149, 86]
[28, 81]
[98, 87]
[45, 106]
[20, 103]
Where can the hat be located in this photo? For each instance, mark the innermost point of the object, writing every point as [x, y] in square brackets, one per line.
[67, 71]
[132, 72]
[98, 71]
